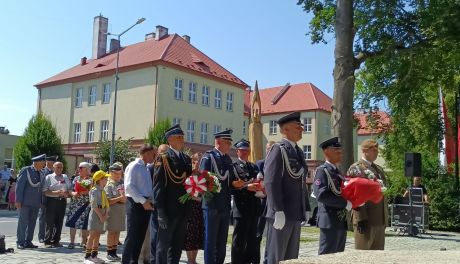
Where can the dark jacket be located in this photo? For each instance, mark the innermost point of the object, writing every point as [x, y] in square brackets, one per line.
[284, 192]
[244, 201]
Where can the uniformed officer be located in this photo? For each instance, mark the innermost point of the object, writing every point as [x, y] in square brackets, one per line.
[331, 206]
[171, 170]
[285, 172]
[216, 211]
[246, 206]
[50, 160]
[28, 201]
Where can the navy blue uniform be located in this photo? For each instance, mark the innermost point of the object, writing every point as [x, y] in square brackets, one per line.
[216, 211]
[246, 211]
[332, 227]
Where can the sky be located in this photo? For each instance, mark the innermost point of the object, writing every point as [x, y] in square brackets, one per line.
[253, 39]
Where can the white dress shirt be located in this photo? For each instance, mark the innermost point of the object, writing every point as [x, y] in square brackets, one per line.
[138, 182]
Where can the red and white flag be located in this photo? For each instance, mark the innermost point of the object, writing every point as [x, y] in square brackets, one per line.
[447, 148]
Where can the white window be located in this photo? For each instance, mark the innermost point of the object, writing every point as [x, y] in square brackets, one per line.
[307, 125]
[176, 121]
[229, 101]
[217, 128]
[204, 133]
[76, 132]
[89, 131]
[178, 88]
[191, 131]
[106, 93]
[244, 127]
[307, 151]
[78, 97]
[205, 95]
[218, 99]
[92, 95]
[192, 92]
[273, 127]
[104, 129]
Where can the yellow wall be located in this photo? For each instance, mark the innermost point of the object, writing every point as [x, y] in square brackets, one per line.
[169, 107]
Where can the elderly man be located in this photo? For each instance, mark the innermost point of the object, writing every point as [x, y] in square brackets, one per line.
[369, 220]
[216, 211]
[139, 190]
[28, 201]
[171, 170]
[50, 160]
[285, 173]
[332, 220]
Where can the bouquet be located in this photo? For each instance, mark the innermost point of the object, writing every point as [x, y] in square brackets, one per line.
[82, 185]
[361, 190]
[200, 186]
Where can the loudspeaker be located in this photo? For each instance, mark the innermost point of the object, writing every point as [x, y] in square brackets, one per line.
[413, 164]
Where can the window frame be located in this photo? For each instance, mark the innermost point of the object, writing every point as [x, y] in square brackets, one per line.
[104, 131]
[204, 133]
[79, 97]
[192, 91]
[218, 99]
[307, 151]
[273, 127]
[92, 96]
[179, 89]
[191, 131]
[230, 101]
[205, 96]
[77, 133]
[89, 133]
[106, 95]
[308, 126]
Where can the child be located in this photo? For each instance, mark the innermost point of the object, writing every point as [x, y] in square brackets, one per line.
[97, 216]
[12, 197]
[116, 222]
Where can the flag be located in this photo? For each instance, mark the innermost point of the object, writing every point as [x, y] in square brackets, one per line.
[447, 146]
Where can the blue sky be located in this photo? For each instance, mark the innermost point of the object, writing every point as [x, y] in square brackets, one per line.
[254, 39]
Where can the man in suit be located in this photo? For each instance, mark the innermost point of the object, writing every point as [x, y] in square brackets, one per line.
[50, 160]
[28, 201]
[369, 220]
[285, 172]
[246, 206]
[216, 211]
[171, 170]
[331, 206]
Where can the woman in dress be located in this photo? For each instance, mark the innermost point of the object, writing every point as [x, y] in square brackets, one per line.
[194, 232]
[11, 180]
[78, 213]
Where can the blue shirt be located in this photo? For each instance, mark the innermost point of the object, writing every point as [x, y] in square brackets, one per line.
[138, 182]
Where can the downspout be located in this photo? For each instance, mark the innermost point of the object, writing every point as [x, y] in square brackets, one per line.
[155, 112]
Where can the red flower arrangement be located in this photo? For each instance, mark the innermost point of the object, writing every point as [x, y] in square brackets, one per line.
[359, 190]
[82, 185]
[200, 186]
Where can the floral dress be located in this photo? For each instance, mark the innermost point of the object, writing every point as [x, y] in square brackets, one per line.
[78, 213]
[194, 230]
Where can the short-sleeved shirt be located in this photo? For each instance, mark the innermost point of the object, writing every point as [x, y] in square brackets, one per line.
[95, 196]
[113, 189]
[54, 182]
[421, 186]
[5, 174]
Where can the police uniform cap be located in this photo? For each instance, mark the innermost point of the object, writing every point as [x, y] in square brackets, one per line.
[52, 158]
[292, 117]
[368, 144]
[227, 134]
[99, 175]
[115, 167]
[174, 130]
[242, 144]
[41, 157]
[332, 142]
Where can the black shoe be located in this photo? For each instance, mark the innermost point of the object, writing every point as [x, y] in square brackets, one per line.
[20, 246]
[31, 246]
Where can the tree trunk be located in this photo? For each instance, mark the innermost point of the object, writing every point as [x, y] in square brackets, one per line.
[344, 81]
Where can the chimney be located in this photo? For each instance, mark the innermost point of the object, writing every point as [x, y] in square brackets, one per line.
[161, 32]
[83, 61]
[100, 27]
[150, 35]
[187, 38]
[114, 45]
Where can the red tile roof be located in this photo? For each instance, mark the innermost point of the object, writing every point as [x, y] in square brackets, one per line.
[372, 123]
[295, 97]
[172, 50]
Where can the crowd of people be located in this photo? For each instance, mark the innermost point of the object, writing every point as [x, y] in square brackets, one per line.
[143, 199]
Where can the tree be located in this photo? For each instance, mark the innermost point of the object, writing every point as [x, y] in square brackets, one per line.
[39, 137]
[385, 37]
[156, 133]
[123, 152]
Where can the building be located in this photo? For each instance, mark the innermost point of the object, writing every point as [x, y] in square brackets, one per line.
[164, 76]
[315, 108]
[7, 143]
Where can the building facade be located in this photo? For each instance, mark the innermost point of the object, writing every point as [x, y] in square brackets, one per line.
[162, 77]
[7, 143]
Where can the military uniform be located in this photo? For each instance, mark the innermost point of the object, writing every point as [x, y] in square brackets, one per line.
[246, 211]
[171, 170]
[216, 211]
[28, 194]
[285, 172]
[370, 218]
[331, 218]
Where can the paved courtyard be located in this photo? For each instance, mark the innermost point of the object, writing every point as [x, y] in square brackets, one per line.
[433, 241]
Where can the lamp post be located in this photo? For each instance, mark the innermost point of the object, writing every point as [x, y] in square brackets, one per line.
[112, 147]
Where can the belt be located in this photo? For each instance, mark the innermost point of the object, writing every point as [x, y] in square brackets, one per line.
[56, 198]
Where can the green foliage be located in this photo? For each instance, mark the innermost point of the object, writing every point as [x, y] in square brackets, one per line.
[156, 134]
[123, 152]
[39, 137]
